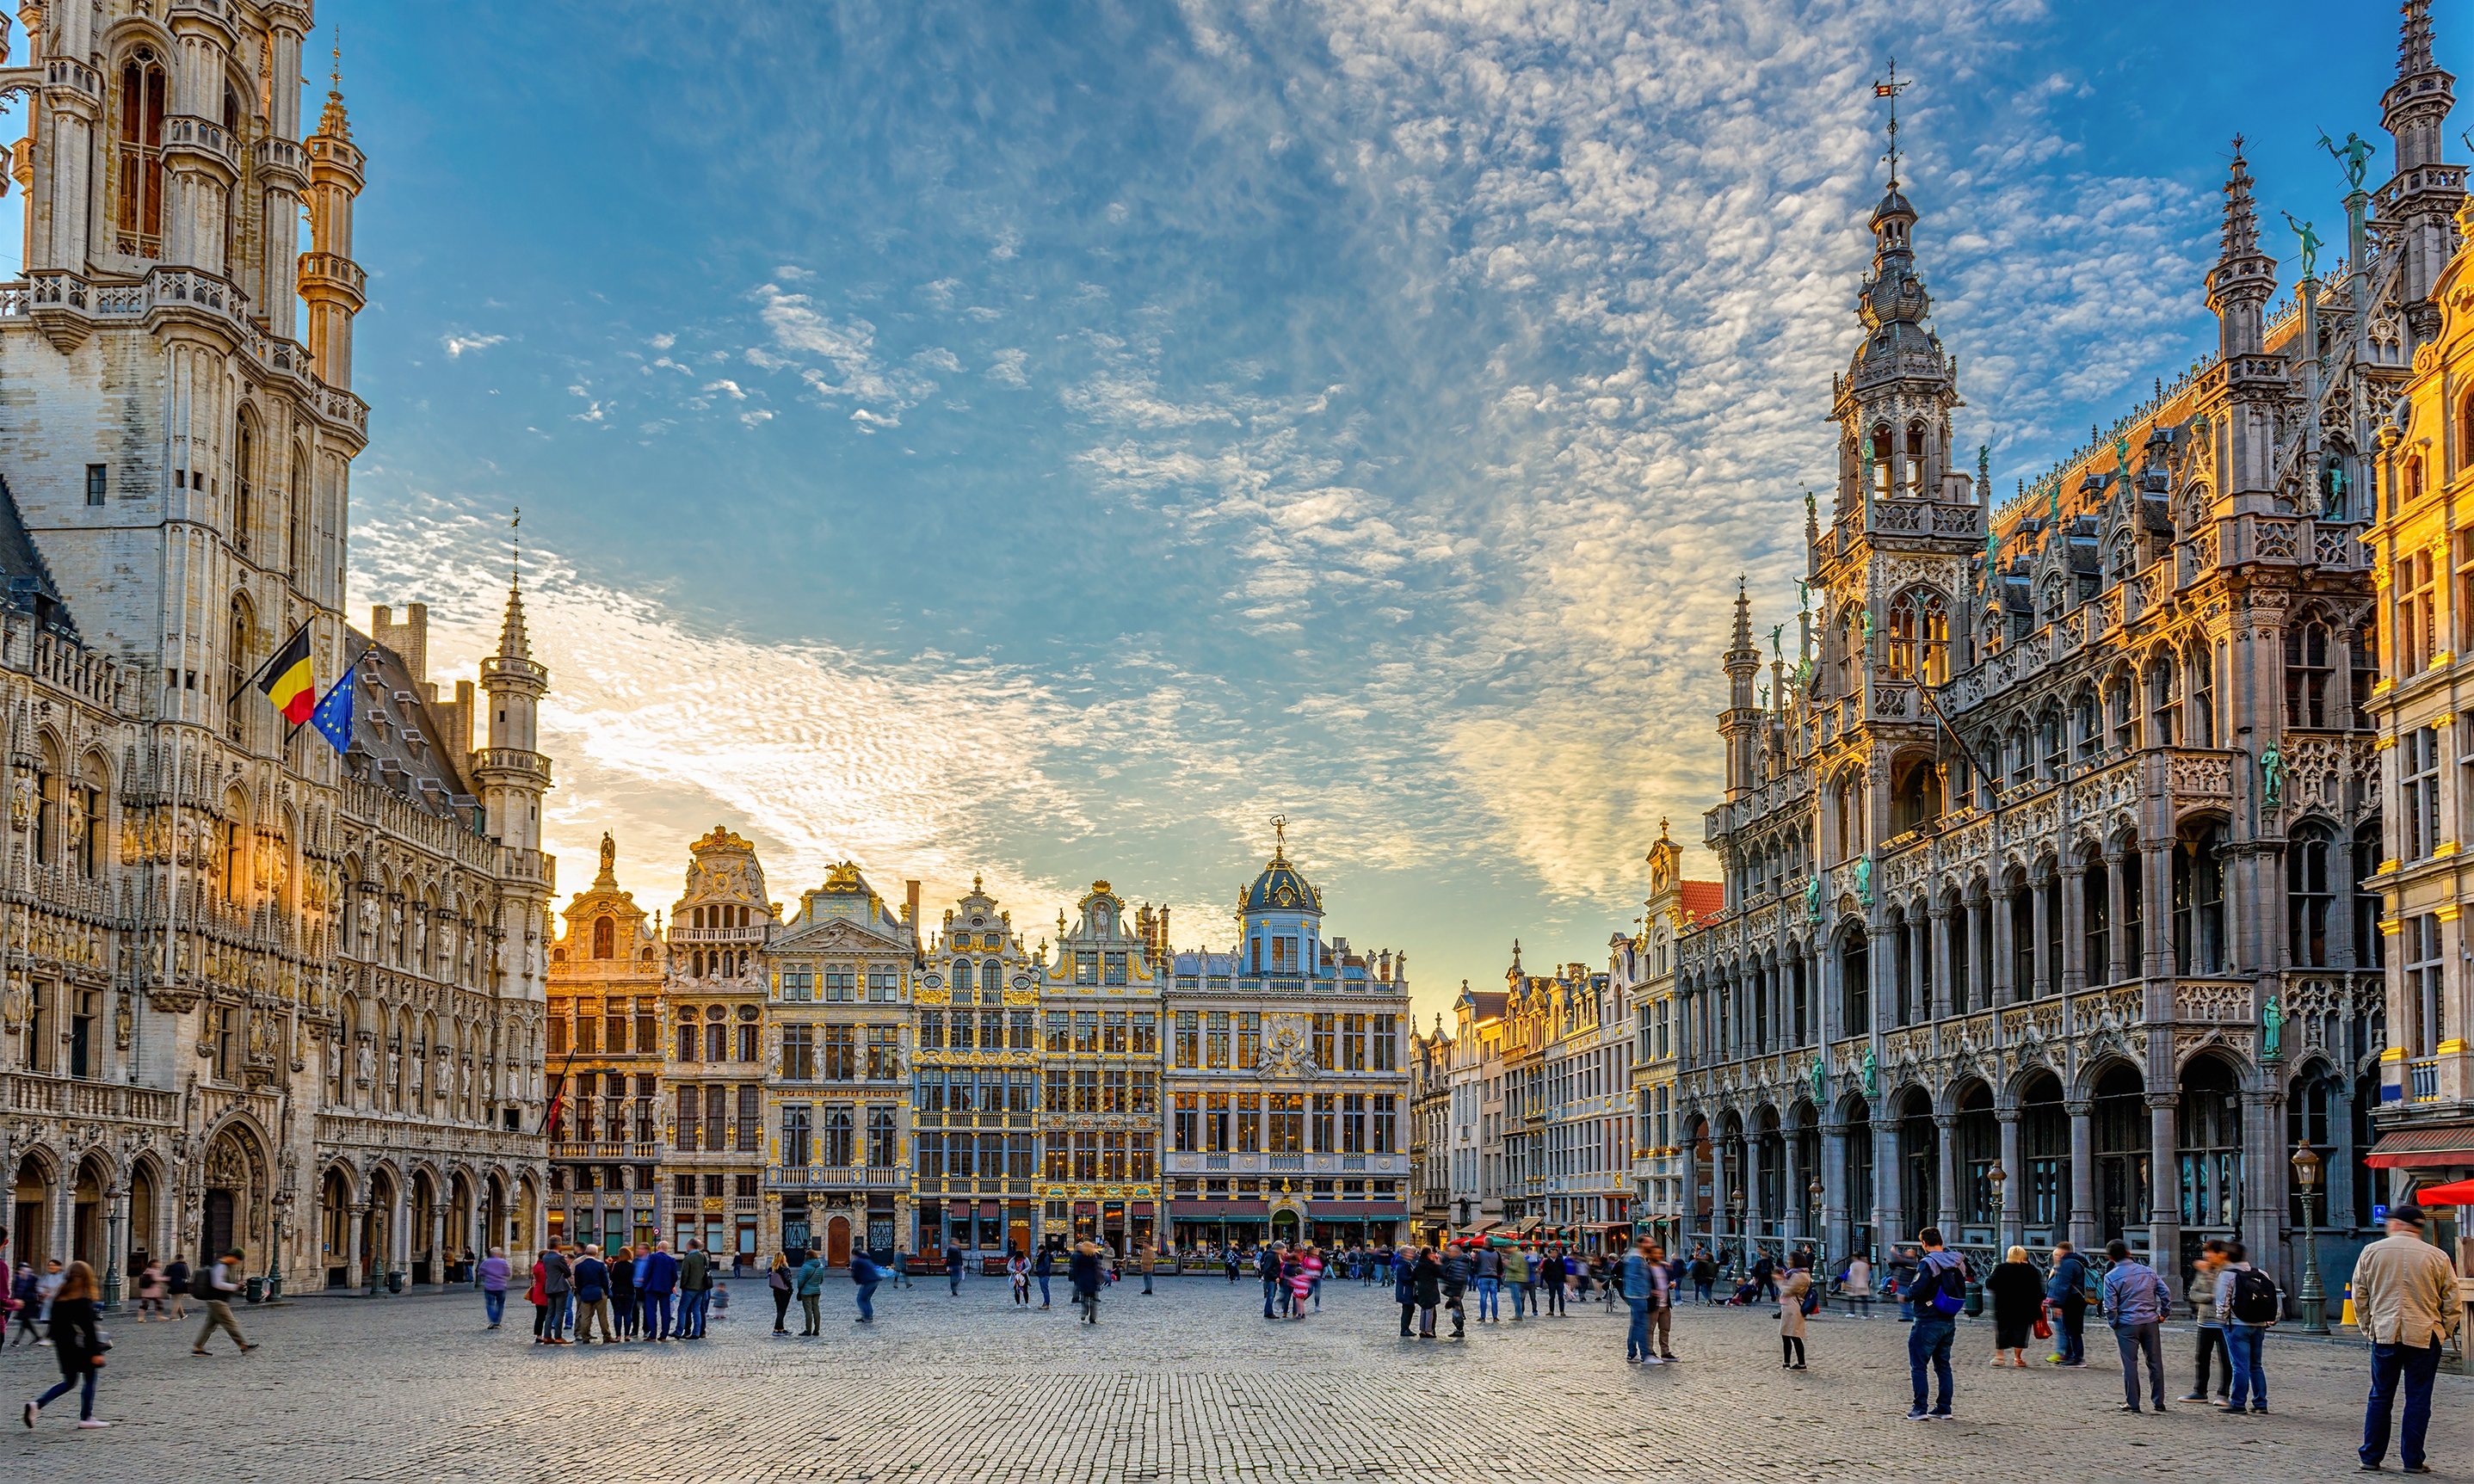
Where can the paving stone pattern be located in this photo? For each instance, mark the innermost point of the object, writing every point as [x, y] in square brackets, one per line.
[1190, 1384]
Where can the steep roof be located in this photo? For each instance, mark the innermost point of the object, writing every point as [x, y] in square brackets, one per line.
[28, 580]
[1701, 898]
[399, 743]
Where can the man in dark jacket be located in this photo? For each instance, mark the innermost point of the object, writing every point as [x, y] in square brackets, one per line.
[592, 1298]
[1458, 1268]
[557, 1282]
[696, 1289]
[1043, 1266]
[954, 1270]
[661, 1278]
[1268, 1267]
[1086, 1279]
[2067, 1292]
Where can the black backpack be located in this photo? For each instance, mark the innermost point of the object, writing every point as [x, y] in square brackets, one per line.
[2255, 1298]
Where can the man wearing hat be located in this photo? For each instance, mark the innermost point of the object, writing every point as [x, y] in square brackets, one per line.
[2406, 1304]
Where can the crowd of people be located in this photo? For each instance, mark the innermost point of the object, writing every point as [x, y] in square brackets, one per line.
[628, 1295]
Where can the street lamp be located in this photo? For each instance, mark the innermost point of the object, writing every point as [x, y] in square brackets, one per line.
[2314, 1302]
[1736, 1199]
[1996, 1177]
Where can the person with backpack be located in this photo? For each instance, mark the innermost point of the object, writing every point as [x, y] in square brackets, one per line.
[223, 1286]
[2248, 1303]
[2212, 1326]
[811, 1287]
[866, 1275]
[2065, 1296]
[1935, 1294]
[2134, 1300]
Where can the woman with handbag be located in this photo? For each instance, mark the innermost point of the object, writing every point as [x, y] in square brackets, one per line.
[2018, 1296]
[1792, 1292]
[76, 1343]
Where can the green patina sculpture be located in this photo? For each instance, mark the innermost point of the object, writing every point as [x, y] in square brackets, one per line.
[2351, 156]
[1864, 880]
[2274, 1021]
[2271, 777]
[1872, 1073]
[2310, 245]
[1820, 1082]
[1774, 632]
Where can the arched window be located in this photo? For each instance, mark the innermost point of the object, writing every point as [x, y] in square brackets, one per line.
[244, 465]
[1919, 636]
[235, 141]
[2307, 674]
[1912, 475]
[2200, 725]
[2370, 945]
[2087, 727]
[2366, 658]
[1855, 982]
[2125, 715]
[1884, 454]
[2199, 901]
[2306, 898]
[47, 810]
[605, 937]
[141, 156]
[236, 672]
[2164, 702]
[991, 983]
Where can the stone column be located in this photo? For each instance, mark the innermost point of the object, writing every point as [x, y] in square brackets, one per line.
[441, 1258]
[2082, 1224]
[2040, 932]
[2075, 966]
[2265, 1216]
[2156, 908]
[1944, 981]
[2165, 1186]
[2004, 953]
[1833, 1189]
[1889, 1222]
[1946, 1162]
[2120, 953]
[355, 1231]
[2014, 1184]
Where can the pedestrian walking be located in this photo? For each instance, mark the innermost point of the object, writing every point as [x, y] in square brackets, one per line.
[557, 1284]
[1517, 1278]
[866, 1275]
[1791, 1291]
[1267, 1266]
[2249, 1305]
[2018, 1294]
[657, 1277]
[592, 1298]
[811, 1283]
[150, 1292]
[1665, 1281]
[1146, 1257]
[77, 1345]
[1458, 1269]
[1937, 1293]
[2202, 1296]
[1018, 1269]
[1637, 1276]
[222, 1285]
[1490, 1284]
[494, 1271]
[1906, 1264]
[2406, 1304]
[1228, 1259]
[1855, 1285]
[784, 1287]
[1086, 1279]
[2134, 1303]
[1303, 1276]
[1404, 1292]
[176, 1286]
[954, 1270]
[622, 1292]
[2066, 1294]
[1704, 1273]
[46, 1284]
[1044, 1266]
[1553, 1273]
[1427, 1280]
[696, 1289]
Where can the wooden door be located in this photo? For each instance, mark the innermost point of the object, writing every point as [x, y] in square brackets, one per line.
[837, 1242]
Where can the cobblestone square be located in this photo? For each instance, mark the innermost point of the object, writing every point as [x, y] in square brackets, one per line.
[1191, 1383]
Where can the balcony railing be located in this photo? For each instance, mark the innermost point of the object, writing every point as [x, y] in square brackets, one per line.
[817, 1177]
[2422, 1079]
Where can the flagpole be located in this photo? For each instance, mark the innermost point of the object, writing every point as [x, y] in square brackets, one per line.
[260, 672]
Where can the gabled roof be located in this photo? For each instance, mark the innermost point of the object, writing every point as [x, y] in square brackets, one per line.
[1701, 898]
[28, 580]
[399, 743]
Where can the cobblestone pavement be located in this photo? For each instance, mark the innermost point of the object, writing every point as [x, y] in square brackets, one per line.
[1190, 1384]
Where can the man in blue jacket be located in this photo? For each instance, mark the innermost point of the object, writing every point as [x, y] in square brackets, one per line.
[2135, 1302]
[655, 1281]
[1940, 1276]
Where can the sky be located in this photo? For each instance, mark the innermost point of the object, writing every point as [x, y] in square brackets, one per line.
[1044, 440]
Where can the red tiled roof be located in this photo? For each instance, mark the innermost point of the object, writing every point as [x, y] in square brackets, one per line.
[1702, 899]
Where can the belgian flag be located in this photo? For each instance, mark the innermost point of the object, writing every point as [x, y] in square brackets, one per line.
[288, 680]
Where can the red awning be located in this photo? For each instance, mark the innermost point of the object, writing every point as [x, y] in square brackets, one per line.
[2423, 1148]
[2461, 1193]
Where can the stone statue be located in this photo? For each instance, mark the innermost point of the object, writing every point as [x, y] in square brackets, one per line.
[1820, 1081]
[1864, 880]
[2274, 1019]
[1866, 619]
[609, 854]
[2310, 245]
[1813, 898]
[2351, 156]
[2271, 777]
[365, 1064]
[1872, 1073]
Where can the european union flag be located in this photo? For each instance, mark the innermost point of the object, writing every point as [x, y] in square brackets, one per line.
[333, 717]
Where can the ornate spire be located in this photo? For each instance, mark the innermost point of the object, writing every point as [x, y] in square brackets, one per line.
[333, 123]
[2414, 39]
[2239, 284]
[1743, 638]
[513, 644]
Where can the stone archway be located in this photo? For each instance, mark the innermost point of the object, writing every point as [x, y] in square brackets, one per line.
[232, 1207]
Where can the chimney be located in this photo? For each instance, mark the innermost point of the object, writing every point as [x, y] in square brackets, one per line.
[409, 639]
[910, 913]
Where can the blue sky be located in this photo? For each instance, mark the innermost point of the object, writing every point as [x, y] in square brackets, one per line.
[1044, 439]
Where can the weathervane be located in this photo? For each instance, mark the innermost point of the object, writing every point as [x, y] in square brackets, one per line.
[1279, 834]
[1891, 89]
[515, 526]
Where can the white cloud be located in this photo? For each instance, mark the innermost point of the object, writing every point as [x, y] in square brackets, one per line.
[1007, 367]
[457, 344]
[729, 388]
